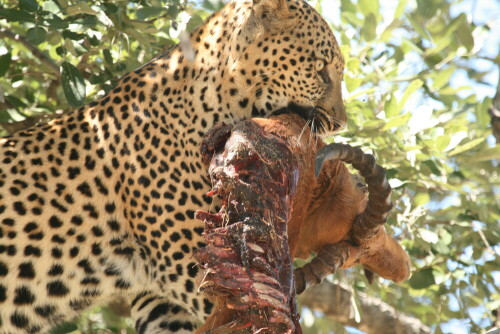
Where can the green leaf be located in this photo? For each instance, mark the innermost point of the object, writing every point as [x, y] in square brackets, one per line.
[91, 21]
[369, 30]
[5, 116]
[442, 142]
[487, 154]
[5, 61]
[110, 8]
[147, 12]
[29, 5]
[397, 121]
[193, 23]
[36, 35]
[72, 35]
[66, 327]
[400, 9]
[57, 23]
[467, 146]
[352, 82]
[408, 45]
[14, 101]
[80, 8]
[107, 56]
[369, 7]
[353, 19]
[428, 236]
[445, 236]
[73, 84]
[392, 107]
[443, 77]
[428, 8]
[417, 26]
[214, 5]
[422, 279]
[51, 6]
[464, 34]
[422, 198]
[173, 11]
[441, 247]
[353, 64]
[15, 15]
[412, 88]
[387, 33]
[433, 167]
[347, 6]
[373, 124]
[483, 118]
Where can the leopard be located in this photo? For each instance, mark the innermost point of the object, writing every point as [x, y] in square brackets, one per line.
[100, 203]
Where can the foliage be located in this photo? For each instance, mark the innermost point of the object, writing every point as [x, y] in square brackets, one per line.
[431, 131]
[416, 76]
[86, 47]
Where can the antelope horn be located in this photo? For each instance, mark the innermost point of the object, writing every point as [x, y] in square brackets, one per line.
[379, 200]
[331, 257]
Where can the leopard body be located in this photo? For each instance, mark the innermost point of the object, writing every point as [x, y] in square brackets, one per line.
[100, 203]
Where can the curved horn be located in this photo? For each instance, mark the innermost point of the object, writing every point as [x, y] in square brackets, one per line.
[331, 257]
[379, 200]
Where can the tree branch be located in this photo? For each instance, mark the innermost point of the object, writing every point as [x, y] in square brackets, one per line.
[494, 112]
[439, 222]
[5, 33]
[335, 301]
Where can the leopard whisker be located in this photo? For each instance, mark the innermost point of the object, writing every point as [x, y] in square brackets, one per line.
[303, 130]
[311, 133]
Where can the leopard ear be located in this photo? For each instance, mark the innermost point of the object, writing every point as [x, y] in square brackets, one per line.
[273, 15]
[263, 17]
[270, 5]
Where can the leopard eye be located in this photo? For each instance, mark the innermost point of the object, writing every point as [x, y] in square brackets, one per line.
[322, 69]
[320, 65]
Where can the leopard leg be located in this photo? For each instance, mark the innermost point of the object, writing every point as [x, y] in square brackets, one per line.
[154, 314]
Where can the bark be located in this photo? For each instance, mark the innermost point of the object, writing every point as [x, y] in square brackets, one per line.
[335, 302]
[494, 112]
[496, 322]
[29, 122]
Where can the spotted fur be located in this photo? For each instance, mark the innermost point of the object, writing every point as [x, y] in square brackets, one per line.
[101, 202]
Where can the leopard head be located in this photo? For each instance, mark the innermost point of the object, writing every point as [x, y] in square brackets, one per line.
[287, 57]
